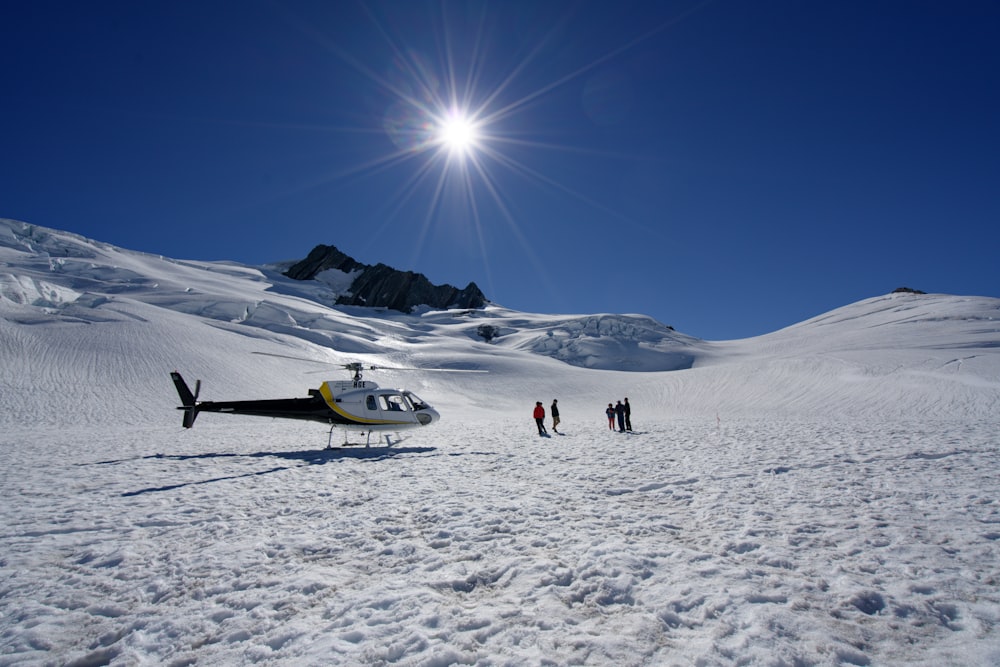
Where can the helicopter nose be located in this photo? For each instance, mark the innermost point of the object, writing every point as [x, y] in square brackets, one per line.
[427, 416]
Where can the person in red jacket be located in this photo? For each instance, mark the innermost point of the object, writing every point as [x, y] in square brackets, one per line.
[540, 418]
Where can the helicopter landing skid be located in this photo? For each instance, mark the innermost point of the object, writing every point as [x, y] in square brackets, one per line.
[389, 442]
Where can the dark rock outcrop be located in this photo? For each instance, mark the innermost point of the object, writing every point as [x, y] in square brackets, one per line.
[322, 258]
[383, 286]
[907, 290]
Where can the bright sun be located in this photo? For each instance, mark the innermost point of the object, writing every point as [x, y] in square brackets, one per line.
[458, 133]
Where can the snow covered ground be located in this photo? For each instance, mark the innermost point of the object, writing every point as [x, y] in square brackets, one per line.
[823, 495]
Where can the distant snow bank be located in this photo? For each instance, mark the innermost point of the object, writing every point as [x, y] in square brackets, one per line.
[88, 333]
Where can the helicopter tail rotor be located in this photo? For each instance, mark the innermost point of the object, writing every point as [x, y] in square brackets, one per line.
[189, 400]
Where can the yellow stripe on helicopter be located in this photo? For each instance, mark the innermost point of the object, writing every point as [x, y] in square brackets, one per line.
[324, 390]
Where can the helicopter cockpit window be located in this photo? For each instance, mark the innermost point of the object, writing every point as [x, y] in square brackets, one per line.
[417, 402]
[370, 402]
[393, 403]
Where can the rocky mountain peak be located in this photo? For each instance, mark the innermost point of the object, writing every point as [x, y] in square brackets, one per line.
[383, 286]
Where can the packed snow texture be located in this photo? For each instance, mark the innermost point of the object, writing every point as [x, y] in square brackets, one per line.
[823, 495]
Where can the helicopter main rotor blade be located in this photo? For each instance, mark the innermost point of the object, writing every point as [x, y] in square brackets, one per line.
[286, 356]
[445, 370]
[358, 366]
[429, 370]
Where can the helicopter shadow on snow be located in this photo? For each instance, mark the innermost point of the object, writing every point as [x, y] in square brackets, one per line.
[311, 457]
[314, 456]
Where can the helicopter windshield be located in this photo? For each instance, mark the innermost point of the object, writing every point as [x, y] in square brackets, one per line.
[417, 402]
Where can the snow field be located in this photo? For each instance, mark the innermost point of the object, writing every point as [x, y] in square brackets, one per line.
[688, 542]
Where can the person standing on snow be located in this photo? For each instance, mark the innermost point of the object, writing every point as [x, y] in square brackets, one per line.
[628, 415]
[540, 418]
[555, 416]
[620, 411]
[610, 412]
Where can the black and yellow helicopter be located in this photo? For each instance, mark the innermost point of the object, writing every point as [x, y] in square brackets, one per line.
[356, 404]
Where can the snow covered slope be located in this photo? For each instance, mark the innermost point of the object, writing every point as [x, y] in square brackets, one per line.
[822, 495]
[104, 326]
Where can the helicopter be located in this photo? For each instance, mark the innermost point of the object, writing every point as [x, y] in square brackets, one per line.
[355, 404]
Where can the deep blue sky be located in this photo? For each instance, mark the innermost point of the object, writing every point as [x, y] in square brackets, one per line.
[727, 167]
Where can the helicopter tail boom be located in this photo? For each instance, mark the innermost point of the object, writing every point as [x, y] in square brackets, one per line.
[189, 400]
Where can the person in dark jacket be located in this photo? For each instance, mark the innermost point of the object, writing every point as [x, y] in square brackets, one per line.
[540, 418]
[610, 412]
[555, 416]
[628, 416]
[620, 412]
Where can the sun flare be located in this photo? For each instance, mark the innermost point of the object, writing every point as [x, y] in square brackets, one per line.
[458, 133]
